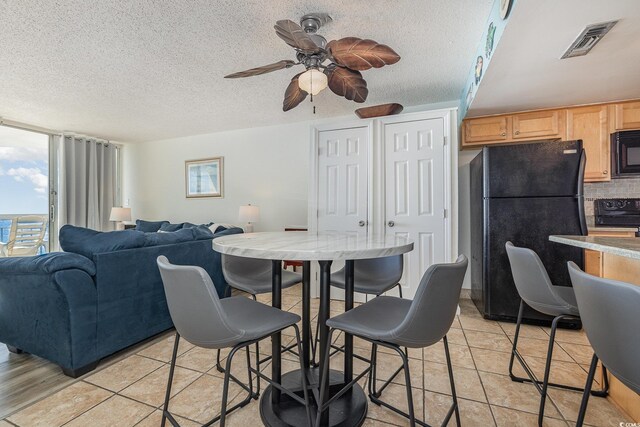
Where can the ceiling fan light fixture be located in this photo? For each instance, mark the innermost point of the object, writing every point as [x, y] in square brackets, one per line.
[313, 81]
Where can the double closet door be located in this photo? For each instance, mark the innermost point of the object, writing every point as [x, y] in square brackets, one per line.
[389, 176]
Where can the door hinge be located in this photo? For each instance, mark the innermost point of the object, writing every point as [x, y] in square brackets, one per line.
[444, 213]
[445, 141]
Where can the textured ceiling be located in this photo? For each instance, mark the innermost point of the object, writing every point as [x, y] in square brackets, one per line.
[148, 70]
[526, 71]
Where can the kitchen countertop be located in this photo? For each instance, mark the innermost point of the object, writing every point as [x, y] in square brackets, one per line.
[622, 246]
[612, 229]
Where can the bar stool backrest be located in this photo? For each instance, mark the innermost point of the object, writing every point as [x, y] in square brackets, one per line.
[609, 313]
[236, 269]
[434, 305]
[383, 271]
[533, 283]
[195, 307]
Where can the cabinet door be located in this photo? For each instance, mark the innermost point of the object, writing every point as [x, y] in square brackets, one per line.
[590, 125]
[485, 129]
[628, 116]
[538, 124]
[593, 262]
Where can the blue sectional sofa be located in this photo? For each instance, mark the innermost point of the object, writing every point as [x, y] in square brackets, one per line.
[103, 294]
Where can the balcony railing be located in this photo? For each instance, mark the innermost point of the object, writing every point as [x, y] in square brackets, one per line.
[5, 229]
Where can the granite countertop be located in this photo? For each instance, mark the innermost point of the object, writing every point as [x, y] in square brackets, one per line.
[612, 229]
[622, 246]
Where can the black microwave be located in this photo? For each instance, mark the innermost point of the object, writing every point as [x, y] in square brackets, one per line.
[625, 154]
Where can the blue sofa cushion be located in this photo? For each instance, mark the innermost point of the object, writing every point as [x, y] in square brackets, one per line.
[48, 263]
[201, 232]
[171, 227]
[87, 242]
[149, 226]
[157, 239]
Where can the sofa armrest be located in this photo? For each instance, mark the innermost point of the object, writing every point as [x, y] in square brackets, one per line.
[51, 315]
[47, 264]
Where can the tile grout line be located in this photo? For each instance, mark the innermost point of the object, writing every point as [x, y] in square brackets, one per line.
[495, 422]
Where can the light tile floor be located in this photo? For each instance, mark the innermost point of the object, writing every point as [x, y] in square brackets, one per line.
[130, 391]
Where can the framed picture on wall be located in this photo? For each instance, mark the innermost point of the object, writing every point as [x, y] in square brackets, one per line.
[204, 177]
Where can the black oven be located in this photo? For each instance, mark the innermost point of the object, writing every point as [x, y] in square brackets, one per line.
[625, 154]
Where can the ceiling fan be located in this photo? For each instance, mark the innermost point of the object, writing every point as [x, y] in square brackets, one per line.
[347, 57]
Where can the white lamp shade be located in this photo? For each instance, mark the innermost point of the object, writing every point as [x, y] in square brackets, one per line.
[120, 214]
[249, 213]
[312, 81]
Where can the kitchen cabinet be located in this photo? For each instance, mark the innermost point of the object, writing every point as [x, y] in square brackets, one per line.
[593, 260]
[548, 124]
[590, 124]
[627, 116]
[486, 129]
[593, 124]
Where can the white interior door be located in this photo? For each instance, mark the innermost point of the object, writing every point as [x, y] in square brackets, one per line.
[415, 193]
[343, 185]
[342, 181]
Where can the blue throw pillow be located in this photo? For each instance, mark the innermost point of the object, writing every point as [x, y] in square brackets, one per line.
[168, 238]
[171, 227]
[149, 226]
[201, 232]
[89, 242]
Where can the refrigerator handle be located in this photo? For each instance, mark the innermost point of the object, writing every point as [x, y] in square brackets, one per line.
[580, 183]
[580, 193]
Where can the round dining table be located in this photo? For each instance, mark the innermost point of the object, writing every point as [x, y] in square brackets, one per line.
[276, 408]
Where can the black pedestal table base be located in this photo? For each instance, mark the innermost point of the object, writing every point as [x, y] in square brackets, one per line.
[348, 410]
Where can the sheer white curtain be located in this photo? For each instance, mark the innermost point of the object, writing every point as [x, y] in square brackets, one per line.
[87, 181]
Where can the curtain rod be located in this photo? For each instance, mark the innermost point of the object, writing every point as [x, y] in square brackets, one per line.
[38, 129]
[24, 126]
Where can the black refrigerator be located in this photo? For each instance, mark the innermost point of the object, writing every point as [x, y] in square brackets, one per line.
[523, 193]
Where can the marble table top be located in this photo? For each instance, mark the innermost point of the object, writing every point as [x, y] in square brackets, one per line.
[307, 246]
[622, 246]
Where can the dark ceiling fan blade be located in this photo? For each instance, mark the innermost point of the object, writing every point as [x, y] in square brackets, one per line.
[293, 95]
[347, 83]
[285, 63]
[359, 54]
[294, 36]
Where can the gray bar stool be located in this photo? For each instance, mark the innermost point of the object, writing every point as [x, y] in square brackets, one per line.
[609, 311]
[373, 276]
[253, 276]
[536, 290]
[395, 323]
[209, 322]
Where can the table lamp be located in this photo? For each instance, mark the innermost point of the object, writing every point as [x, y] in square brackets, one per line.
[118, 215]
[249, 214]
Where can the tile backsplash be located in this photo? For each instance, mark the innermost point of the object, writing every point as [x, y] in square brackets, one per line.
[627, 188]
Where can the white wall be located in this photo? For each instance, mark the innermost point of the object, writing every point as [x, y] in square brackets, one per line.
[266, 167]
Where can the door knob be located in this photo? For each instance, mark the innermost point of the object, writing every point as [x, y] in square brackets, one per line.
[361, 223]
[391, 223]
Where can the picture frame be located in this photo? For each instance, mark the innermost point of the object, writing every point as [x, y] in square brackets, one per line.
[204, 178]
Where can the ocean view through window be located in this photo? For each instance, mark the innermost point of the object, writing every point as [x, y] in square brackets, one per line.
[24, 191]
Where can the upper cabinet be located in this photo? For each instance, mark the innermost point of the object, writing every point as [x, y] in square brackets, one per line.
[593, 124]
[514, 127]
[590, 125]
[486, 129]
[547, 124]
[627, 116]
